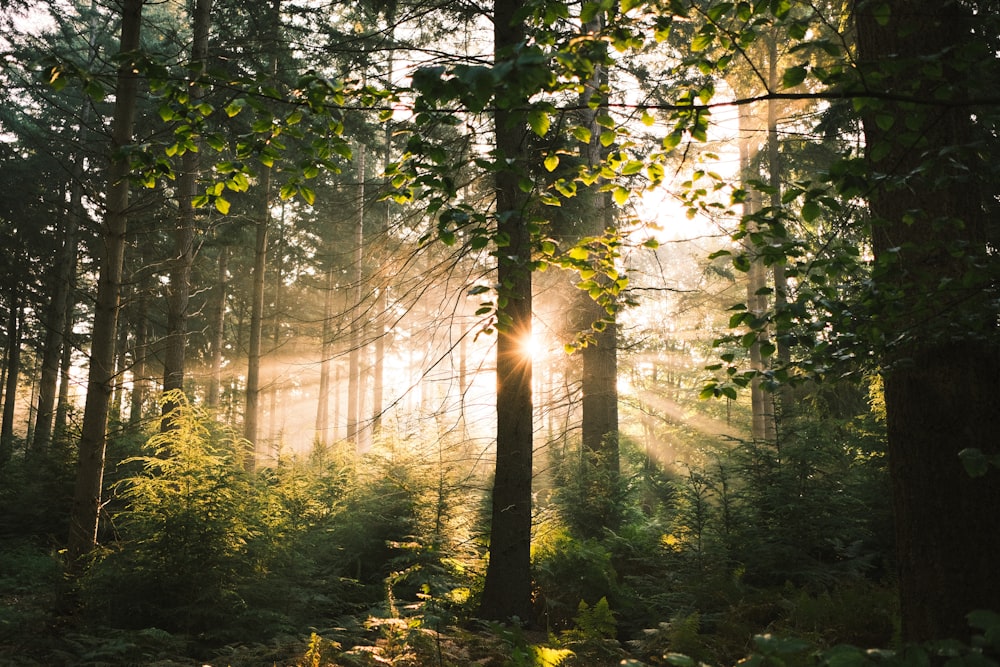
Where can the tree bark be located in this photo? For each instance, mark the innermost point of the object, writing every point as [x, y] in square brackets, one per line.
[326, 355]
[15, 321]
[59, 307]
[251, 413]
[354, 381]
[179, 290]
[762, 417]
[218, 329]
[90, 466]
[931, 226]
[507, 588]
[600, 358]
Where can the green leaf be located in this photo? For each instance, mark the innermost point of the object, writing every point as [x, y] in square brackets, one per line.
[307, 194]
[703, 39]
[551, 162]
[882, 13]
[582, 134]
[793, 76]
[885, 121]
[221, 205]
[632, 167]
[235, 107]
[539, 122]
[621, 195]
[810, 211]
[975, 462]
[672, 140]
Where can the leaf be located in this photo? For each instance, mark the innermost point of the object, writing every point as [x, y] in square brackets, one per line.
[885, 121]
[221, 205]
[810, 211]
[703, 39]
[235, 107]
[621, 195]
[882, 13]
[582, 134]
[793, 76]
[632, 167]
[307, 194]
[551, 162]
[974, 461]
[539, 122]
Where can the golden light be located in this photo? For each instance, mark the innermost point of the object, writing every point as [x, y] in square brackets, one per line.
[533, 346]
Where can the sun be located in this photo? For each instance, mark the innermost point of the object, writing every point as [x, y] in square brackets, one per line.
[534, 346]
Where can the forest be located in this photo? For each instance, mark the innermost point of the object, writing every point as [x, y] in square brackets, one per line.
[525, 333]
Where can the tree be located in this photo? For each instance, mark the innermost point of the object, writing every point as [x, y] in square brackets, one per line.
[100, 383]
[931, 156]
[507, 589]
[179, 292]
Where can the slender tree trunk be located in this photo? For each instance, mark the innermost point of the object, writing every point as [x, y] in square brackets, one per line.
[274, 389]
[59, 308]
[354, 381]
[781, 400]
[15, 332]
[600, 358]
[762, 423]
[140, 352]
[251, 414]
[121, 364]
[59, 429]
[933, 225]
[218, 329]
[90, 467]
[507, 588]
[179, 290]
[326, 356]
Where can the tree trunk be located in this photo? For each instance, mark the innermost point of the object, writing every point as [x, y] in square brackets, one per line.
[326, 356]
[59, 307]
[762, 417]
[931, 227]
[251, 414]
[90, 467]
[354, 391]
[507, 588]
[600, 358]
[179, 290]
[15, 332]
[218, 329]
[140, 353]
[274, 389]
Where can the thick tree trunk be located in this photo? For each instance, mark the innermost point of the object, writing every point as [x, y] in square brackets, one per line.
[179, 290]
[931, 228]
[507, 589]
[100, 383]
